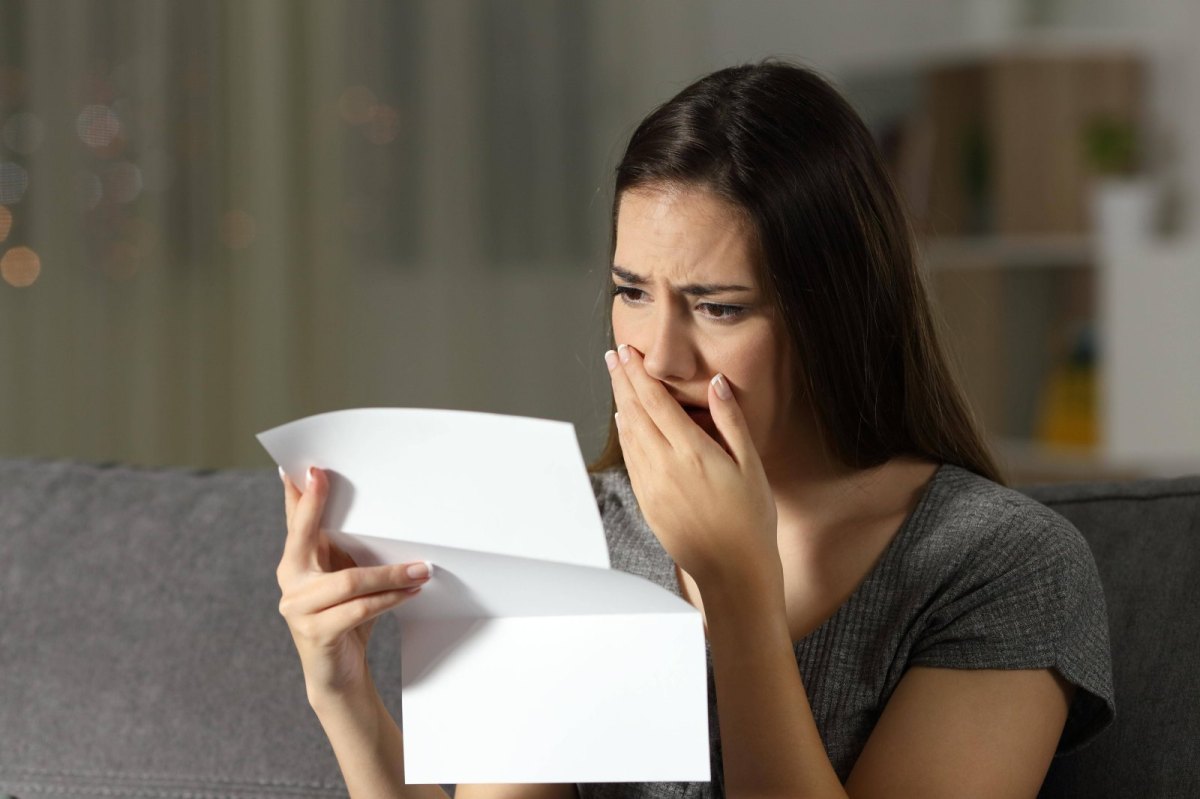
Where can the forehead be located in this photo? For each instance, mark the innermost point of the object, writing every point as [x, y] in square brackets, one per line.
[682, 234]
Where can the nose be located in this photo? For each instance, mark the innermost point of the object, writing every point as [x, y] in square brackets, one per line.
[670, 353]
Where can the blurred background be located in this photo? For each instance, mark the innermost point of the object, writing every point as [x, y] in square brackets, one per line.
[217, 217]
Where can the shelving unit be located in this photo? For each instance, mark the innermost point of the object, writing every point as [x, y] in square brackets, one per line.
[1011, 310]
[1027, 281]
[1142, 299]
[1014, 252]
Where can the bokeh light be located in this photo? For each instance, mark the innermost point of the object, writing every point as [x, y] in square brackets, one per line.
[384, 126]
[157, 171]
[122, 182]
[121, 262]
[6, 221]
[95, 88]
[192, 138]
[141, 236]
[152, 119]
[13, 182]
[126, 111]
[24, 133]
[20, 267]
[238, 230]
[357, 105]
[97, 126]
[88, 189]
[12, 85]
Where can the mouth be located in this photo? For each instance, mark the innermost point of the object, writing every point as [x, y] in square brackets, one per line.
[700, 415]
[702, 418]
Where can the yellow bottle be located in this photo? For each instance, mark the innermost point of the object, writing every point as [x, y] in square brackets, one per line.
[1067, 411]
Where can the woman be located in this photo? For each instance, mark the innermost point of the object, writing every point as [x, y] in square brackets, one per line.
[790, 454]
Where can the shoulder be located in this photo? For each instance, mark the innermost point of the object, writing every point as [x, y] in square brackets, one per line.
[990, 552]
[969, 527]
[1007, 583]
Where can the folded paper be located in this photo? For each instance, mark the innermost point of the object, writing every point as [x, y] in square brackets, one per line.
[526, 658]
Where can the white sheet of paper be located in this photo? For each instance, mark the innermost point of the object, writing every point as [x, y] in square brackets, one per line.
[525, 658]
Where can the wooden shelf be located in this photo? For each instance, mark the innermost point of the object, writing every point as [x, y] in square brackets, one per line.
[1026, 462]
[1020, 252]
[1005, 44]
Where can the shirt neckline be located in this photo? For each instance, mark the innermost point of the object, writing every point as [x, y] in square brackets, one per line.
[664, 566]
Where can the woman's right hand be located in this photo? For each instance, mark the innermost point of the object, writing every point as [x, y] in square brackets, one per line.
[330, 603]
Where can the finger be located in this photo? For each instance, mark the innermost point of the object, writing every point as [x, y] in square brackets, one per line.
[329, 590]
[730, 421]
[300, 551]
[349, 615]
[631, 449]
[665, 411]
[637, 423]
[291, 494]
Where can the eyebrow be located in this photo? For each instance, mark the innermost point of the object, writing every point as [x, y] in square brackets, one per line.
[691, 289]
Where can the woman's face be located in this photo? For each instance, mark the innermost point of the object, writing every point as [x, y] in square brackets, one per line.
[688, 298]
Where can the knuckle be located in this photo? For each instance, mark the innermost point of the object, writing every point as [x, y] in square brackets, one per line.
[360, 612]
[693, 460]
[305, 627]
[655, 403]
[347, 582]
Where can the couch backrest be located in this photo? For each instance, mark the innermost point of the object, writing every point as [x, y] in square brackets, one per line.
[142, 652]
[141, 647]
[1145, 536]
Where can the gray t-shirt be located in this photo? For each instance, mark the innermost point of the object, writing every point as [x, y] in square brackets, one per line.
[979, 576]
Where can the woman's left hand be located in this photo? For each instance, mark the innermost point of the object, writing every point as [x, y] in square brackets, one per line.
[711, 508]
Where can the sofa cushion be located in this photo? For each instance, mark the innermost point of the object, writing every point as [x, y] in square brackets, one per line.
[1145, 536]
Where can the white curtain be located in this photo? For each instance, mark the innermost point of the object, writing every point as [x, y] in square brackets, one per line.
[247, 212]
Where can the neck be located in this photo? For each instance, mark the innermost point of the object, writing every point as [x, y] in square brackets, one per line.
[816, 496]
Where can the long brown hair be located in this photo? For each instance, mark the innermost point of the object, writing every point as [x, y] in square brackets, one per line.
[782, 146]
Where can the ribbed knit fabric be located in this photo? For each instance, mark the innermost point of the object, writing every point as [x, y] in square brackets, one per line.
[979, 576]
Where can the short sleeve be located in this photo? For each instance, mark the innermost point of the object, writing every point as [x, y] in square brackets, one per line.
[1031, 598]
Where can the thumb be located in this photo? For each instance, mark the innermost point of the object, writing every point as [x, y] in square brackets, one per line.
[731, 423]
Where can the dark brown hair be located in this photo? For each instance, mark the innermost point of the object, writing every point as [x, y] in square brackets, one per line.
[779, 144]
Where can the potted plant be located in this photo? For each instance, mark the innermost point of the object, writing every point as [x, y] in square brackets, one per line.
[1124, 199]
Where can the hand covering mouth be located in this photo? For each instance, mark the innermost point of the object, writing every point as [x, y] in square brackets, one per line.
[691, 406]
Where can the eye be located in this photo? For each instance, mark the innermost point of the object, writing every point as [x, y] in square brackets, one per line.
[717, 312]
[627, 293]
[722, 312]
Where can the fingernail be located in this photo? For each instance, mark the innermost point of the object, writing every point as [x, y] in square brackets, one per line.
[722, 386]
[617, 418]
[309, 477]
[419, 570]
[282, 476]
[623, 352]
[610, 358]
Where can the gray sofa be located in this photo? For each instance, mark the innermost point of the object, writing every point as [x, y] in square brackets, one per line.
[142, 653]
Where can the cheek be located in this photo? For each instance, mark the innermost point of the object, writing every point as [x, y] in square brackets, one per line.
[766, 399]
[625, 329]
